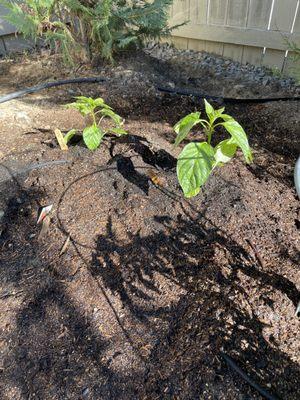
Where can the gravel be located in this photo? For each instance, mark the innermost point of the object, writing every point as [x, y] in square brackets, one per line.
[186, 66]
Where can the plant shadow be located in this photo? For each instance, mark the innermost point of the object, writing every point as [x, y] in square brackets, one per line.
[213, 315]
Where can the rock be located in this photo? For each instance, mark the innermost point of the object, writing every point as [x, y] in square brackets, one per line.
[22, 117]
[238, 90]
[85, 392]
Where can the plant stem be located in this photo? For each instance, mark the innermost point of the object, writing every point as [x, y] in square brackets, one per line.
[94, 118]
[209, 132]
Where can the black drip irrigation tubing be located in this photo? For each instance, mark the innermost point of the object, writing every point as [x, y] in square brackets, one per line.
[177, 91]
[48, 85]
[228, 100]
[33, 167]
[231, 363]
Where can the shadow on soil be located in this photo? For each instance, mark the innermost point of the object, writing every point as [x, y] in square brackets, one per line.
[205, 321]
[55, 353]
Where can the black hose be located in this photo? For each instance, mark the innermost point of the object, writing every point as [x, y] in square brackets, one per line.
[32, 167]
[220, 99]
[179, 91]
[47, 85]
[243, 375]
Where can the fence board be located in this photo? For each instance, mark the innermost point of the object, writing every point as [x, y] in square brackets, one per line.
[255, 14]
[233, 35]
[252, 55]
[237, 13]
[197, 45]
[282, 20]
[235, 52]
[259, 13]
[5, 27]
[274, 58]
[215, 47]
[297, 22]
[180, 42]
[283, 15]
[198, 11]
[182, 9]
[217, 12]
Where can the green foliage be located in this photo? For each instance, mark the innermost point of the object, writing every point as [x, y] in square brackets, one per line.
[198, 160]
[68, 136]
[95, 26]
[96, 110]
[42, 19]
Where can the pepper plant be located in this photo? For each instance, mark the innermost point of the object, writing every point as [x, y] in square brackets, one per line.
[198, 159]
[95, 111]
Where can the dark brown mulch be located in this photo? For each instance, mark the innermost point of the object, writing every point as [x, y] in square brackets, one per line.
[152, 288]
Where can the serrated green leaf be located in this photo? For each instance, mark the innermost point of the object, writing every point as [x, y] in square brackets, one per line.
[99, 102]
[111, 114]
[226, 117]
[184, 126]
[68, 136]
[224, 151]
[118, 131]
[239, 137]
[85, 100]
[92, 136]
[194, 166]
[210, 112]
[84, 109]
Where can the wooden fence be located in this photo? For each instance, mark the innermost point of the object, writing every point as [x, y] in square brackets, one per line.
[254, 31]
[9, 42]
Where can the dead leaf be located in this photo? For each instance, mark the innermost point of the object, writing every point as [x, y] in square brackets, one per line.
[65, 246]
[45, 228]
[61, 140]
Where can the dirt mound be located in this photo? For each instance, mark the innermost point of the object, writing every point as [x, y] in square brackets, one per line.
[152, 287]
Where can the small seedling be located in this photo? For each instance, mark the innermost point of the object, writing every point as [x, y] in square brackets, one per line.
[95, 110]
[198, 160]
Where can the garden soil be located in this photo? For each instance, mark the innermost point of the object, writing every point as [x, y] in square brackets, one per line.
[128, 290]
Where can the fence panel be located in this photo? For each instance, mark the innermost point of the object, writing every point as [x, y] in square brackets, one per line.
[5, 27]
[254, 31]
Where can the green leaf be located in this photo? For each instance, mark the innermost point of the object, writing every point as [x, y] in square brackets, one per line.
[210, 112]
[184, 126]
[111, 114]
[85, 100]
[118, 131]
[194, 166]
[92, 136]
[68, 136]
[84, 109]
[224, 151]
[99, 102]
[226, 117]
[239, 138]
